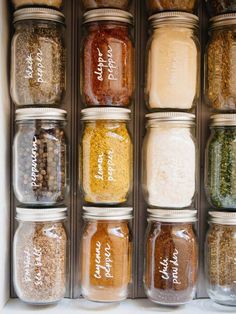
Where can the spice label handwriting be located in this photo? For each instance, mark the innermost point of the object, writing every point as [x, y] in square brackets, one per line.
[32, 263]
[167, 263]
[26, 262]
[34, 168]
[106, 62]
[103, 261]
[37, 62]
[235, 266]
[105, 164]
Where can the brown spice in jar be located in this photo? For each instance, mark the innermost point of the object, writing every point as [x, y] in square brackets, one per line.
[107, 60]
[95, 4]
[171, 5]
[171, 263]
[40, 262]
[221, 6]
[48, 3]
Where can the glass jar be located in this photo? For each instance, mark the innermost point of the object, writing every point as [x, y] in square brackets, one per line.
[107, 76]
[173, 62]
[48, 3]
[171, 5]
[40, 156]
[220, 76]
[95, 4]
[169, 160]
[217, 7]
[106, 156]
[38, 57]
[171, 263]
[220, 261]
[106, 254]
[40, 255]
[220, 163]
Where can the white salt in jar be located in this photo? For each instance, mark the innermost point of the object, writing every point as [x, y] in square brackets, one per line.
[172, 78]
[169, 160]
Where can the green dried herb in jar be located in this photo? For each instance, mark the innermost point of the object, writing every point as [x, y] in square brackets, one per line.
[220, 164]
[220, 84]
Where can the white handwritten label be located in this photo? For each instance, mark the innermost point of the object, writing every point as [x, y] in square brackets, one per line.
[32, 264]
[26, 262]
[99, 174]
[103, 254]
[34, 167]
[29, 67]
[106, 62]
[35, 62]
[38, 264]
[235, 266]
[105, 166]
[172, 263]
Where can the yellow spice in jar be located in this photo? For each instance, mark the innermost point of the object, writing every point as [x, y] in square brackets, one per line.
[106, 158]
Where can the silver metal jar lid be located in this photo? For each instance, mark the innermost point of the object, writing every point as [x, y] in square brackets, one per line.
[228, 218]
[39, 14]
[108, 15]
[105, 114]
[41, 214]
[168, 18]
[107, 213]
[40, 114]
[223, 20]
[225, 119]
[173, 117]
[172, 215]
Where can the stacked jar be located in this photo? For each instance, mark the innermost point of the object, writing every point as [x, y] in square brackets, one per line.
[106, 150]
[220, 160]
[39, 152]
[169, 152]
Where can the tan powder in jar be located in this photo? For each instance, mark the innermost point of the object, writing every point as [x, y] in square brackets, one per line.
[49, 3]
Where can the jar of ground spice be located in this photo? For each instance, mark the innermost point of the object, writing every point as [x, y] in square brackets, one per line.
[171, 263]
[220, 77]
[106, 254]
[106, 156]
[220, 163]
[40, 156]
[217, 7]
[155, 6]
[107, 76]
[40, 255]
[169, 160]
[47, 3]
[173, 62]
[95, 4]
[38, 57]
[220, 262]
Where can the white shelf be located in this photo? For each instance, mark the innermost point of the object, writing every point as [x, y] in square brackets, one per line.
[14, 306]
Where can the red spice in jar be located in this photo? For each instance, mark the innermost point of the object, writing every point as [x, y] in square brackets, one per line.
[107, 60]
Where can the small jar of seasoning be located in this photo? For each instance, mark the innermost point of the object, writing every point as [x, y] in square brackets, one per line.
[220, 261]
[169, 160]
[107, 76]
[171, 263]
[38, 57]
[96, 4]
[173, 62]
[40, 255]
[220, 77]
[40, 156]
[106, 254]
[47, 3]
[106, 156]
[220, 163]
[217, 7]
[155, 6]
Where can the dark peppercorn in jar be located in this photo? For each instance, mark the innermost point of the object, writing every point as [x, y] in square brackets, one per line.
[38, 57]
[171, 263]
[107, 76]
[217, 7]
[39, 156]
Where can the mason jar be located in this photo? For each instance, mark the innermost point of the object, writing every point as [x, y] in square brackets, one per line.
[155, 6]
[40, 255]
[38, 57]
[171, 259]
[220, 162]
[96, 4]
[40, 156]
[169, 160]
[173, 62]
[106, 171]
[220, 258]
[220, 76]
[106, 254]
[27, 3]
[107, 58]
[216, 7]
